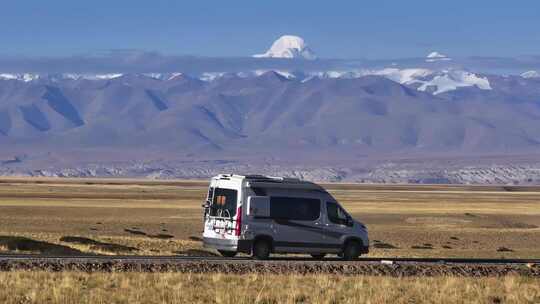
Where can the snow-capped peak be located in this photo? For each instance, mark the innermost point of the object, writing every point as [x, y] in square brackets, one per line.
[436, 56]
[288, 46]
[531, 74]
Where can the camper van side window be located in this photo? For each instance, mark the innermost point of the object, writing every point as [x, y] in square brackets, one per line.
[336, 214]
[295, 208]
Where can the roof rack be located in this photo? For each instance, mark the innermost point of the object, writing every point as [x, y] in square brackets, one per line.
[263, 181]
[274, 179]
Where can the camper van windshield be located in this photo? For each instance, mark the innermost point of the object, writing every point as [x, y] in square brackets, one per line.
[223, 202]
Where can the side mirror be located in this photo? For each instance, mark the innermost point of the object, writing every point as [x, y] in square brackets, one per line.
[258, 206]
[349, 222]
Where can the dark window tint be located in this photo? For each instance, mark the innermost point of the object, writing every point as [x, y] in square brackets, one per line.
[224, 202]
[295, 208]
[259, 191]
[336, 214]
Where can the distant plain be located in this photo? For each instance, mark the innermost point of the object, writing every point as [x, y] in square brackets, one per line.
[113, 216]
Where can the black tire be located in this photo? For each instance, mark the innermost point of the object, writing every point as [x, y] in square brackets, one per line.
[261, 249]
[227, 254]
[351, 250]
[318, 256]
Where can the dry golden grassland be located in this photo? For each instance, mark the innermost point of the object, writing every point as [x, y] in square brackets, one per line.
[64, 216]
[165, 218]
[76, 287]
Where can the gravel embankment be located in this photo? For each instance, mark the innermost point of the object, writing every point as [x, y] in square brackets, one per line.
[269, 267]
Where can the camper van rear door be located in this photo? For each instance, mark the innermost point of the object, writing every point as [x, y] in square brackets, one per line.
[258, 206]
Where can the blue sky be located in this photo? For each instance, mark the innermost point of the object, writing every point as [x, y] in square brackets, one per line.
[334, 29]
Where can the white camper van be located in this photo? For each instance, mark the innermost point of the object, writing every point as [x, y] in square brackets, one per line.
[260, 215]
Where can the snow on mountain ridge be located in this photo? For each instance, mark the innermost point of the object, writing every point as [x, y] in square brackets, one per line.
[211, 76]
[289, 46]
[105, 76]
[26, 77]
[440, 81]
[404, 76]
[531, 74]
[451, 80]
[433, 81]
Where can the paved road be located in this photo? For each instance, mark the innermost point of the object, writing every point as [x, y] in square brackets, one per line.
[180, 259]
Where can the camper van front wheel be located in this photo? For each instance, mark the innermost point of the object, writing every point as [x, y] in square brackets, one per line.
[261, 249]
[351, 250]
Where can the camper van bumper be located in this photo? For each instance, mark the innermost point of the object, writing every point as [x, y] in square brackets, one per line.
[243, 246]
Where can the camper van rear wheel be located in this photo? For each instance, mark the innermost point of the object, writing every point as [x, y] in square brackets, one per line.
[261, 249]
[227, 254]
[318, 256]
[351, 250]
